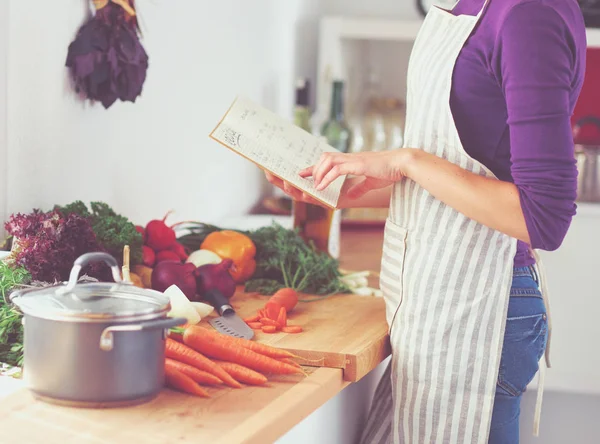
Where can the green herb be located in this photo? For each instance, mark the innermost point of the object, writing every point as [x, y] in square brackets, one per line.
[11, 329]
[112, 230]
[282, 257]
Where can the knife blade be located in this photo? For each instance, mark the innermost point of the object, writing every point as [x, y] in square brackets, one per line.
[229, 323]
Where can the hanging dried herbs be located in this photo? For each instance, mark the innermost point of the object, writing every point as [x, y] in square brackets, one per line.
[106, 60]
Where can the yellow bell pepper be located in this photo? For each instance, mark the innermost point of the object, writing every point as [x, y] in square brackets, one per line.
[235, 246]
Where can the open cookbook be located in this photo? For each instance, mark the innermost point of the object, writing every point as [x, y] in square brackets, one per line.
[275, 145]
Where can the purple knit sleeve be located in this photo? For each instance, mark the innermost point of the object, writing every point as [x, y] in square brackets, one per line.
[534, 60]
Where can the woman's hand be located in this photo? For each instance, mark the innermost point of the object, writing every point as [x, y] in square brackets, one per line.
[379, 198]
[374, 170]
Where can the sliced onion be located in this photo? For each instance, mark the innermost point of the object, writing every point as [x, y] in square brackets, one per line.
[203, 309]
[181, 305]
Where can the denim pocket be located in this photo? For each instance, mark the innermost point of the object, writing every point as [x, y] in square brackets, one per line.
[524, 344]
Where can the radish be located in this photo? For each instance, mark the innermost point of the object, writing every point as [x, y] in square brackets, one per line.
[148, 256]
[167, 255]
[159, 236]
[179, 249]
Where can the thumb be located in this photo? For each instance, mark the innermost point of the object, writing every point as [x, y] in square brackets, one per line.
[360, 189]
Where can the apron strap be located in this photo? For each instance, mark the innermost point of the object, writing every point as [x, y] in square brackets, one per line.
[480, 13]
[545, 362]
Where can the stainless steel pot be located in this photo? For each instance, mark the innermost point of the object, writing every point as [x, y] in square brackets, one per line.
[94, 344]
[588, 164]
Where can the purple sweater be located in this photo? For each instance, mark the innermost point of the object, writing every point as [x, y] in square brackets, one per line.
[514, 89]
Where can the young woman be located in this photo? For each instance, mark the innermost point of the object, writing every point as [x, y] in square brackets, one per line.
[487, 176]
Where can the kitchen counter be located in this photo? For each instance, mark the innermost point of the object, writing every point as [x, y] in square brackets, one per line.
[250, 415]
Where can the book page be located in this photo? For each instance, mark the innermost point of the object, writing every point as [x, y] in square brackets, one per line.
[275, 145]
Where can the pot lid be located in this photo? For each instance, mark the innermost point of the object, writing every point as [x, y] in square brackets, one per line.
[96, 301]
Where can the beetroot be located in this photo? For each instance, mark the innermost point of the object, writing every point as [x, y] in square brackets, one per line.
[148, 255]
[141, 230]
[159, 236]
[215, 277]
[167, 255]
[168, 273]
[179, 249]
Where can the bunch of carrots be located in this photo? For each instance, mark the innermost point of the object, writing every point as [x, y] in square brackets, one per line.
[197, 357]
[274, 316]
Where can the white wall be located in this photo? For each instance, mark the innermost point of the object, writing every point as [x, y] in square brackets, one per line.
[155, 155]
[3, 90]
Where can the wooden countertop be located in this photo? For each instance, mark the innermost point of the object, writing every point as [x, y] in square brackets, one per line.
[252, 415]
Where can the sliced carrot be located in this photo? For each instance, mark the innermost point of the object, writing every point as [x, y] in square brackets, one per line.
[262, 313]
[267, 321]
[224, 350]
[183, 353]
[272, 310]
[243, 374]
[201, 377]
[292, 329]
[184, 383]
[252, 319]
[269, 329]
[255, 325]
[282, 318]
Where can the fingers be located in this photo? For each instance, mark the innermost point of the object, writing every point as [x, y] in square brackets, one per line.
[359, 189]
[322, 167]
[306, 172]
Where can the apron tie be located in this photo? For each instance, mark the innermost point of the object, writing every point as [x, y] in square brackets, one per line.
[545, 362]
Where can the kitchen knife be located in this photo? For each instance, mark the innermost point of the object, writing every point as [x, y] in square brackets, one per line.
[229, 323]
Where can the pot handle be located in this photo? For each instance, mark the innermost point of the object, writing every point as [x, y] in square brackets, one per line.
[107, 337]
[86, 259]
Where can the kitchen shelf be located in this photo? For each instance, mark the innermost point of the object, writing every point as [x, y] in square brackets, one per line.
[398, 30]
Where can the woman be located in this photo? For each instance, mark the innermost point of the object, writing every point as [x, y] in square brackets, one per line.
[487, 175]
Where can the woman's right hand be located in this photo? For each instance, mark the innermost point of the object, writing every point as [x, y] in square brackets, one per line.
[374, 199]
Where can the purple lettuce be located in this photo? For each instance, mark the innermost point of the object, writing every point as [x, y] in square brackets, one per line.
[106, 60]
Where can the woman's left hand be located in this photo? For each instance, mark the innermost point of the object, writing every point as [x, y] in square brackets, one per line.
[378, 169]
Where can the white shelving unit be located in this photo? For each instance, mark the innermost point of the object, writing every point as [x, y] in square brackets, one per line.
[343, 39]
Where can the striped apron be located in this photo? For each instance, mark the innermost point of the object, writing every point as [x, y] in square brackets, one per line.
[446, 278]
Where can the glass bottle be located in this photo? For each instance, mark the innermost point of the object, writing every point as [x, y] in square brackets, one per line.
[313, 222]
[338, 135]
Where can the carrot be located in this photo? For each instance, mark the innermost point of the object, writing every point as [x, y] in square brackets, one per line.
[184, 383]
[286, 297]
[267, 321]
[200, 376]
[269, 329]
[257, 347]
[282, 318]
[243, 374]
[185, 354]
[292, 329]
[224, 350]
[261, 313]
[252, 319]
[255, 325]
[176, 336]
[290, 361]
[272, 310]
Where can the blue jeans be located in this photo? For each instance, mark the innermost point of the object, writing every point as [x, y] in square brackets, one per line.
[524, 343]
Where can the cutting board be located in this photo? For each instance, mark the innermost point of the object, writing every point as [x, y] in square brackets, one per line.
[343, 331]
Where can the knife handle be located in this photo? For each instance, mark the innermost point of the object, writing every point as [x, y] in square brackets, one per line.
[217, 300]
